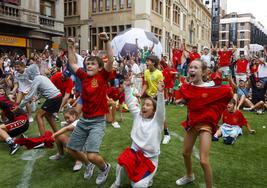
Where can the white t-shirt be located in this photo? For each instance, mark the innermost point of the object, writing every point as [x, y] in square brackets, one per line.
[207, 59]
[262, 70]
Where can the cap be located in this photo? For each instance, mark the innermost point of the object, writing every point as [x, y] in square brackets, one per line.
[66, 73]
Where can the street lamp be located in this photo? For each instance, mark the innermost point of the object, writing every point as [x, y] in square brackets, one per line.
[90, 23]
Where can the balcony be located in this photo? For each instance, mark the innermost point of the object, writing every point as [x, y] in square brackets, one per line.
[46, 21]
[14, 15]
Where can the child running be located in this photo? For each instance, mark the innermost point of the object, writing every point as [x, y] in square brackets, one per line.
[205, 104]
[89, 132]
[141, 160]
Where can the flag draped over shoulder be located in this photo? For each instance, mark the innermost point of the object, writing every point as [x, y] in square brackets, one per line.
[205, 104]
[32, 142]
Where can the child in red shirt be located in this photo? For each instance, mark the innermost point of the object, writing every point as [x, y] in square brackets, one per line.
[233, 121]
[89, 132]
[205, 104]
[169, 77]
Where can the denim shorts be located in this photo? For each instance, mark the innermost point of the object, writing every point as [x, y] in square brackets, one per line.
[88, 134]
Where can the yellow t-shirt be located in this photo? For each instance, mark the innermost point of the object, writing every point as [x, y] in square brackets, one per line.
[152, 79]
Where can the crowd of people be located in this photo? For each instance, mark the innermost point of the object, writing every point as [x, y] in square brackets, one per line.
[89, 88]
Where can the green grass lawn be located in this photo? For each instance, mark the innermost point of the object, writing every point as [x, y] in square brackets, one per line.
[243, 164]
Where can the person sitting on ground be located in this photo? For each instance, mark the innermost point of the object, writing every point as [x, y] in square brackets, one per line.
[258, 95]
[233, 121]
[61, 139]
[17, 121]
[146, 138]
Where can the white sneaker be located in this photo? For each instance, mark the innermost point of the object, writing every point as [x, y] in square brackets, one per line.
[166, 139]
[116, 125]
[259, 112]
[78, 165]
[56, 157]
[31, 119]
[185, 180]
[102, 176]
[89, 170]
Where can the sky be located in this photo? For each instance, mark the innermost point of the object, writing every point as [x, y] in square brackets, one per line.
[257, 7]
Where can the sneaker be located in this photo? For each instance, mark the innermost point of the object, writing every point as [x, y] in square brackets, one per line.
[214, 138]
[31, 119]
[185, 180]
[114, 185]
[102, 176]
[89, 170]
[166, 139]
[116, 125]
[259, 112]
[13, 148]
[56, 157]
[78, 165]
[40, 145]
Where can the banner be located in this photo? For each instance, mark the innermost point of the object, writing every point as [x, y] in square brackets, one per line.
[12, 41]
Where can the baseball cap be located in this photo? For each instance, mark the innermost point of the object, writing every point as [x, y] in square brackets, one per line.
[205, 48]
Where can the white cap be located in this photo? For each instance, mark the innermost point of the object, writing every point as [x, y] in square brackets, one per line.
[205, 47]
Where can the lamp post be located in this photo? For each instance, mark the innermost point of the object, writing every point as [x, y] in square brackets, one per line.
[90, 23]
[79, 40]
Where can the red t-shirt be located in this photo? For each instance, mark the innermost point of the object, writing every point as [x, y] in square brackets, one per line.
[94, 93]
[177, 57]
[193, 56]
[236, 118]
[254, 68]
[115, 94]
[168, 77]
[64, 86]
[225, 58]
[216, 77]
[241, 66]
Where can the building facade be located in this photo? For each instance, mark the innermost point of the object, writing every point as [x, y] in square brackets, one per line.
[242, 30]
[185, 20]
[30, 25]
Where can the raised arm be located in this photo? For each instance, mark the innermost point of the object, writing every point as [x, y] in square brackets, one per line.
[71, 55]
[160, 111]
[131, 101]
[104, 37]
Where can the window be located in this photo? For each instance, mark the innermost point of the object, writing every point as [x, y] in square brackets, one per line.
[242, 26]
[129, 3]
[242, 44]
[176, 14]
[101, 6]
[223, 36]
[69, 31]
[223, 43]
[94, 5]
[107, 5]
[70, 7]
[74, 32]
[65, 31]
[242, 35]
[122, 4]
[184, 22]
[168, 9]
[47, 8]
[160, 7]
[121, 28]
[223, 27]
[114, 4]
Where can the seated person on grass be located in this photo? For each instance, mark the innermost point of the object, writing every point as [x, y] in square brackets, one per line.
[16, 124]
[61, 139]
[233, 121]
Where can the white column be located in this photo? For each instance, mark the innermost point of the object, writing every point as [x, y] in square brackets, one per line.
[142, 11]
[84, 28]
